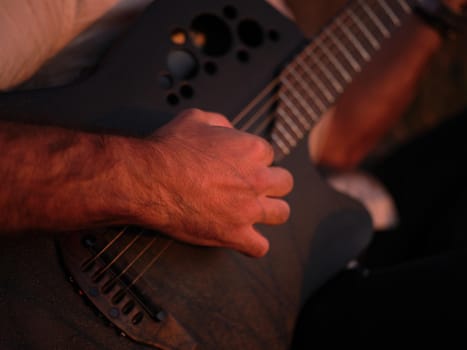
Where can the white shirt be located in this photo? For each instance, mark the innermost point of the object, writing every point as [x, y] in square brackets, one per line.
[84, 51]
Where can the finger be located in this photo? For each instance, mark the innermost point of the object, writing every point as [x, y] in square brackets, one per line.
[273, 181]
[250, 242]
[245, 240]
[259, 149]
[210, 118]
[216, 119]
[275, 211]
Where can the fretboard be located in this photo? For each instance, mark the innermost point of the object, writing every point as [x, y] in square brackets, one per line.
[311, 83]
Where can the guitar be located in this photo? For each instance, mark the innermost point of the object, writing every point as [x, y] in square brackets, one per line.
[251, 64]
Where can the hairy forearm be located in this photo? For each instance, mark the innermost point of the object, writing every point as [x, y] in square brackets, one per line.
[32, 31]
[54, 179]
[376, 99]
[196, 179]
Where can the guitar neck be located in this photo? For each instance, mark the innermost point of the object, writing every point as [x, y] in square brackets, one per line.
[311, 83]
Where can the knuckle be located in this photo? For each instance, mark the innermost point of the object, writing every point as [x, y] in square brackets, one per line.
[217, 119]
[220, 118]
[255, 211]
[283, 212]
[279, 212]
[262, 149]
[261, 180]
[190, 113]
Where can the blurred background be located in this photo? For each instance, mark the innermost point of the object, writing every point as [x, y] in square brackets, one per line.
[443, 90]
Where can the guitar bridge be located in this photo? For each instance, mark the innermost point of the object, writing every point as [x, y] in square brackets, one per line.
[107, 271]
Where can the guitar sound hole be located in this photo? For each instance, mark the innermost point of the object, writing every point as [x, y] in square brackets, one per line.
[212, 35]
[187, 91]
[173, 99]
[250, 33]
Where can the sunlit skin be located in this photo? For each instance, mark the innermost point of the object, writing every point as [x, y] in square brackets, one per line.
[197, 179]
[375, 101]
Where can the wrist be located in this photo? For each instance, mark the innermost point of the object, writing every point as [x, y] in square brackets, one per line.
[136, 186]
[93, 196]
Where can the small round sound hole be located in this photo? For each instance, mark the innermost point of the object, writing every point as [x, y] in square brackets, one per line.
[250, 33]
[211, 34]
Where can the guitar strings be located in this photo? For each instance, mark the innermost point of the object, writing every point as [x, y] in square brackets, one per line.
[348, 21]
[105, 268]
[91, 261]
[131, 263]
[149, 264]
[255, 103]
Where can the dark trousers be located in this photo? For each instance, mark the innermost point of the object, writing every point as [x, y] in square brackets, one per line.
[417, 272]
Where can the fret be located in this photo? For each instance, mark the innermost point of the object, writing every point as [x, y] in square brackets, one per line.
[405, 6]
[300, 118]
[289, 138]
[301, 100]
[353, 39]
[398, 9]
[347, 54]
[290, 123]
[314, 79]
[279, 143]
[319, 83]
[390, 13]
[297, 115]
[374, 18]
[342, 71]
[295, 112]
[370, 37]
[314, 97]
[330, 77]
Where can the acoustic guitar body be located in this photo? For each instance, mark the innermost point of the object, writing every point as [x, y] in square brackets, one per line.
[151, 291]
